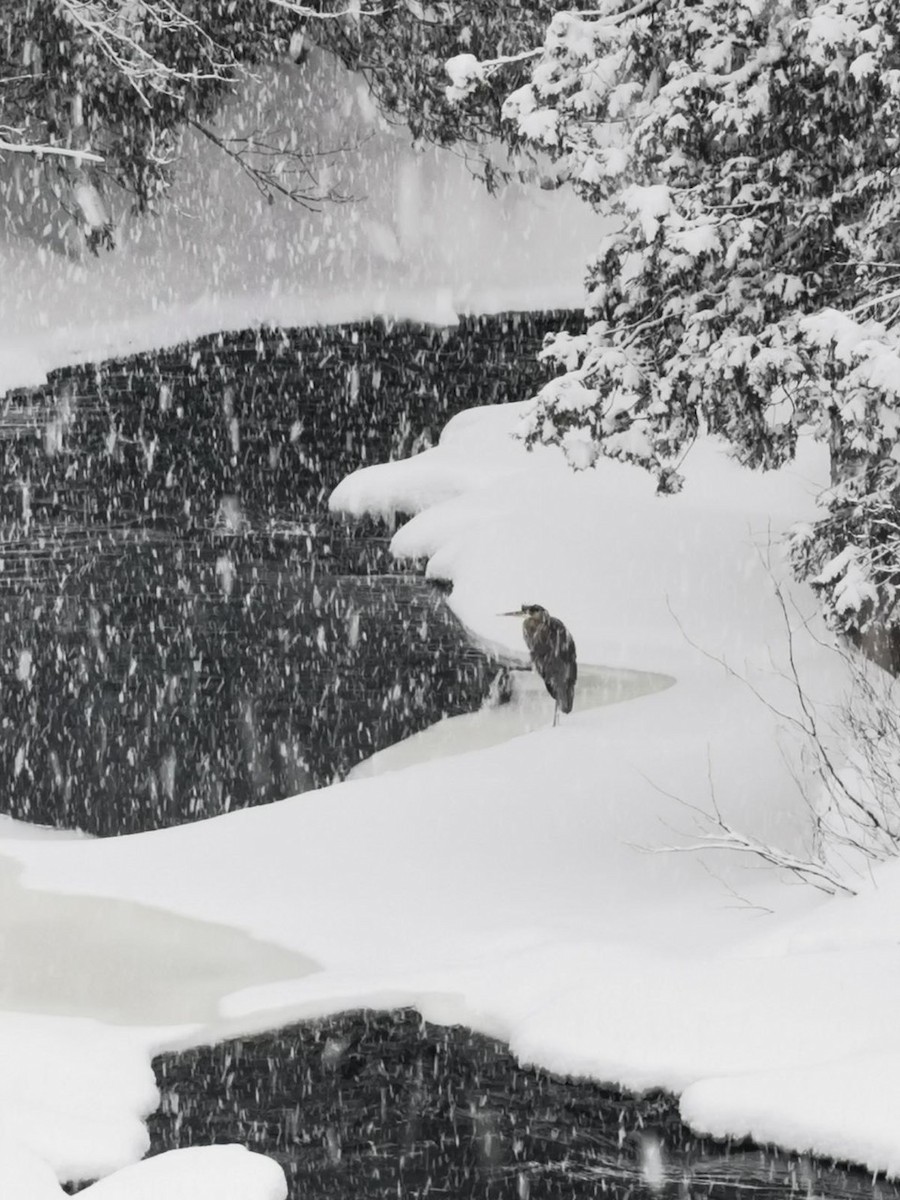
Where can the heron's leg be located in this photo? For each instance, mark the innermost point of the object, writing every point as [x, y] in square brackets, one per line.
[555, 713]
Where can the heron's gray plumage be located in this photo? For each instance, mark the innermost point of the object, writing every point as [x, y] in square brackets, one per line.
[552, 651]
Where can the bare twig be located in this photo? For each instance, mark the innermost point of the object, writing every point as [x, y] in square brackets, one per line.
[809, 715]
[729, 670]
[856, 813]
[262, 163]
[718, 834]
[742, 901]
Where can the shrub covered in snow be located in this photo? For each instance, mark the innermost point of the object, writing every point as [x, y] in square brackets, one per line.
[748, 150]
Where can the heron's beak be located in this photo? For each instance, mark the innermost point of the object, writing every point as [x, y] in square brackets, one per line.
[517, 613]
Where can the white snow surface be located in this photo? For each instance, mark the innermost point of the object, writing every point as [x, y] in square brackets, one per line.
[223, 1172]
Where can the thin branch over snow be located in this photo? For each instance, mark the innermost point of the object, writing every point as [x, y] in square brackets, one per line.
[854, 805]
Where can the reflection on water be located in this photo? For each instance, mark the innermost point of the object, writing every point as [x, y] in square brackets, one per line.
[384, 1105]
[185, 629]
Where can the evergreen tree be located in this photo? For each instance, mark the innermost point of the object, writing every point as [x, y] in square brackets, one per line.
[747, 151]
[401, 50]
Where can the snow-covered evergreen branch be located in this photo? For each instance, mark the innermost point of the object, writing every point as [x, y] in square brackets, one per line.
[747, 154]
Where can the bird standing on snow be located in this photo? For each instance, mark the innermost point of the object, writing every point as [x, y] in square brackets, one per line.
[552, 651]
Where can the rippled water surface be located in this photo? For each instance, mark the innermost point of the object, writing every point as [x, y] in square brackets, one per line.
[185, 628]
[384, 1105]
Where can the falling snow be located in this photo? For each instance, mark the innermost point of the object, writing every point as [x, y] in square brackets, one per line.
[265, 497]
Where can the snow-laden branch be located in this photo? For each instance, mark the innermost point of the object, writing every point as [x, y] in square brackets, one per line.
[303, 10]
[466, 71]
[117, 31]
[874, 301]
[42, 149]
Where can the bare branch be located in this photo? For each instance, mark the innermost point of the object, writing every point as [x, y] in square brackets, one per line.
[729, 670]
[118, 34]
[856, 812]
[263, 163]
[742, 901]
[724, 836]
[729, 839]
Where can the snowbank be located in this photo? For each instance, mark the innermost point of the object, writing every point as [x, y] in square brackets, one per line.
[198, 1173]
[638, 576]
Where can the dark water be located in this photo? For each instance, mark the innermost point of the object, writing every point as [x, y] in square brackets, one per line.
[186, 629]
[377, 1106]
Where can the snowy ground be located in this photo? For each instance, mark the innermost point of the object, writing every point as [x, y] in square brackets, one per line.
[513, 884]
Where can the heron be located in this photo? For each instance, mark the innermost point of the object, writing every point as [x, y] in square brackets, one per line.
[552, 651]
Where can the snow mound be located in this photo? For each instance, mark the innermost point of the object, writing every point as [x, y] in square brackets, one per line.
[197, 1173]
